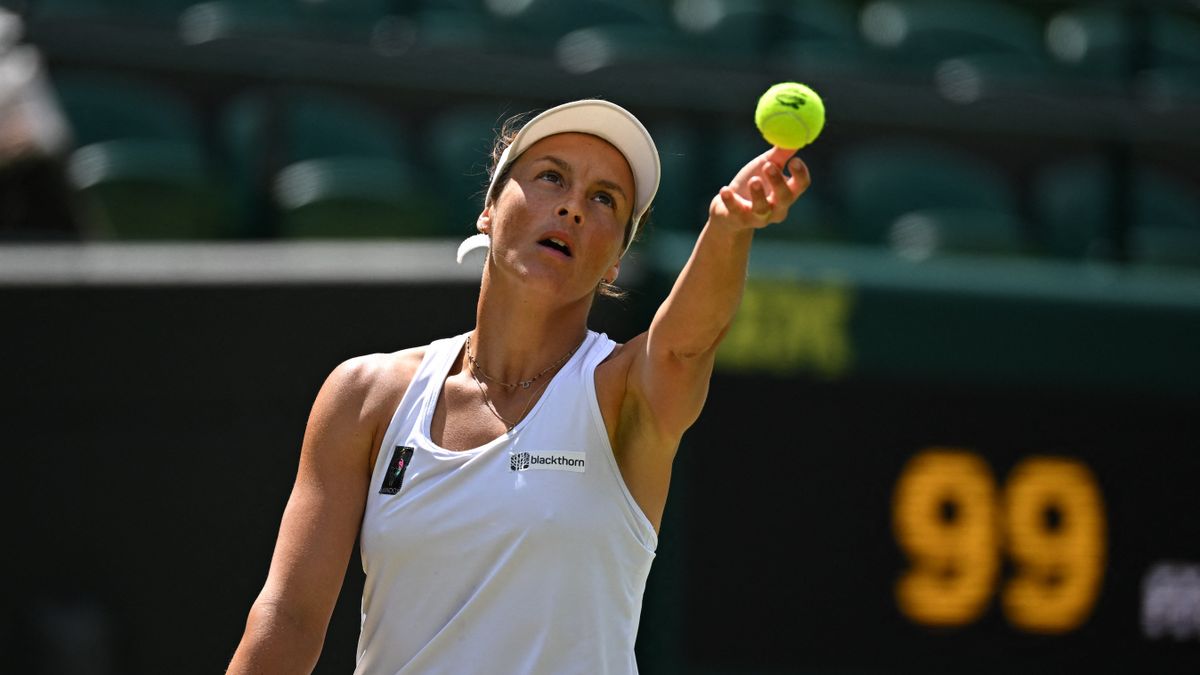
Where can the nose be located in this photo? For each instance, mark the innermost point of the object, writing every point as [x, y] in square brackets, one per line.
[568, 212]
[572, 207]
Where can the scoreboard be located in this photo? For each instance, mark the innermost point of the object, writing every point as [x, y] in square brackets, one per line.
[886, 528]
[886, 481]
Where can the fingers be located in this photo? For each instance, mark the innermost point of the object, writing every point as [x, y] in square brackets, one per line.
[786, 189]
[800, 178]
[760, 203]
[733, 203]
[780, 187]
[762, 192]
[758, 206]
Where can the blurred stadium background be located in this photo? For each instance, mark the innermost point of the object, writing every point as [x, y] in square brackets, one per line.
[991, 293]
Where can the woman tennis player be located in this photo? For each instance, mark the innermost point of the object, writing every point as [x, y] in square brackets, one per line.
[508, 483]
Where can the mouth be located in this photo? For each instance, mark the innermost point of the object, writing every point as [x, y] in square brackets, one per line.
[556, 244]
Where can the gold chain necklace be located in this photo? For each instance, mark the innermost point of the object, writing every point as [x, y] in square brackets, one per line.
[492, 407]
[524, 384]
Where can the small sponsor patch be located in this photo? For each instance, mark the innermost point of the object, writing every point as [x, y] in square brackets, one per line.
[394, 477]
[552, 461]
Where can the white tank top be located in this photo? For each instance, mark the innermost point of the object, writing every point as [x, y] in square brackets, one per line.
[524, 556]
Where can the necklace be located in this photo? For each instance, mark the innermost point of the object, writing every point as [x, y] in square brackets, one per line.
[524, 384]
[492, 407]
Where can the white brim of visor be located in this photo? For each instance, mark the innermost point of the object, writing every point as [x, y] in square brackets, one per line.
[600, 118]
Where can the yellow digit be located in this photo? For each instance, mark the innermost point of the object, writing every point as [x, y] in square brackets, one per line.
[1056, 536]
[944, 518]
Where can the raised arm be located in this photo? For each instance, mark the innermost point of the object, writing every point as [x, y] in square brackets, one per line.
[286, 626]
[669, 375]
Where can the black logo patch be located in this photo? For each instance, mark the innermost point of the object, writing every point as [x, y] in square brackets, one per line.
[394, 477]
[518, 461]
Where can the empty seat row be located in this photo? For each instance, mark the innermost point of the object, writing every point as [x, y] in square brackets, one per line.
[921, 198]
[305, 162]
[1118, 46]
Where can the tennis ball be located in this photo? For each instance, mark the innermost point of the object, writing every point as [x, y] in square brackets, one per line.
[790, 115]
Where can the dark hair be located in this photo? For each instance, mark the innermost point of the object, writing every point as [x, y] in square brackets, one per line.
[504, 138]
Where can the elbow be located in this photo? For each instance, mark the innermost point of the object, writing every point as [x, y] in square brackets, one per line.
[700, 348]
[277, 639]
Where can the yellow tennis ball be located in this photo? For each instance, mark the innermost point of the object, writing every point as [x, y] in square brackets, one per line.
[790, 115]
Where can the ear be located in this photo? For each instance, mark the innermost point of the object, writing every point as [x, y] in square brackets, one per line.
[613, 272]
[484, 222]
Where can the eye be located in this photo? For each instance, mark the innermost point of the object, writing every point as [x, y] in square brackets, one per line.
[606, 199]
[551, 176]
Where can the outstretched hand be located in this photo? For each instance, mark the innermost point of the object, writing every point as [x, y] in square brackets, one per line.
[761, 194]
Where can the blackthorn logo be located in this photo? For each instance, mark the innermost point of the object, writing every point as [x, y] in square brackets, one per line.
[554, 461]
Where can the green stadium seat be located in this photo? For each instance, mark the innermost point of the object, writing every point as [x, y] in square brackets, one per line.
[553, 17]
[315, 163]
[103, 106]
[1091, 42]
[680, 204]
[1001, 42]
[932, 30]
[1172, 78]
[895, 193]
[458, 145]
[1074, 203]
[1099, 44]
[1174, 39]
[595, 47]
[346, 197]
[159, 14]
[82, 9]
[238, 19]
[810, 32]
[820, 36]
[922, 233]
[142, 189]
[450, 26]
[344, 20]
[536, 26]
[322, 124]
[1166, 230]
[726, 29]
[822, 19]
[138, 163]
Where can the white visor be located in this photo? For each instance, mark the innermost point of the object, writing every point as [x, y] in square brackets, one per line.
[599, 118]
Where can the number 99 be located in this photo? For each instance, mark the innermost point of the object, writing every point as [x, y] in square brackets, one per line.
[948, 520]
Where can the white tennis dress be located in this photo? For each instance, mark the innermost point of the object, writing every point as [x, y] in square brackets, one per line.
[527, 555]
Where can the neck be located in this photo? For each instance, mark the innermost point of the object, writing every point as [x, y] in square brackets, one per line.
[518, 334]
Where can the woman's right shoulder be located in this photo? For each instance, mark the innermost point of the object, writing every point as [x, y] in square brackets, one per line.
[376, 378]
[361, 394]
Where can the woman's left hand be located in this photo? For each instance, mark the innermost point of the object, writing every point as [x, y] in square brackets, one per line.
[760, 194]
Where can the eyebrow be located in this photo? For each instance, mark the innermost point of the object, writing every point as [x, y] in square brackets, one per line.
[608, 184]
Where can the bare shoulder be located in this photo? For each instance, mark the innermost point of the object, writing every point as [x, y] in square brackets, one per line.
[376, 377]
[365, 391]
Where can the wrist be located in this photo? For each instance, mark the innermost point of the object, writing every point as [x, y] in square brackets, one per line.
[730, 232]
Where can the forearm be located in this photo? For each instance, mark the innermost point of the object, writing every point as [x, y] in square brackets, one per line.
[705, 297]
